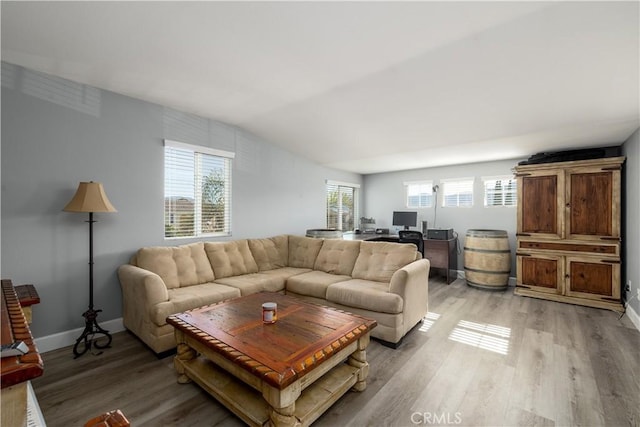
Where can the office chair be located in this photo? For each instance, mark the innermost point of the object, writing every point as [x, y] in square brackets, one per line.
[410, 236]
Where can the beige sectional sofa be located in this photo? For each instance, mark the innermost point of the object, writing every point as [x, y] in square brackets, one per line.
[384, 281]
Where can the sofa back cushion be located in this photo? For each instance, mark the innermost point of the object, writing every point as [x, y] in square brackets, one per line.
[303, 251]
[230, 258]
[270, 253]
[178, 266]
[337, 256]
[379, 260]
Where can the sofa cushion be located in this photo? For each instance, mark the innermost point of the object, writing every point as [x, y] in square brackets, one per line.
[379, 260]
[287, 272]
[230, 258]
[365, 294]
[313, 283]
[270, 253]
[188, 298]
[255, 282]
[177, 266]
[337, 256]
[303, 251]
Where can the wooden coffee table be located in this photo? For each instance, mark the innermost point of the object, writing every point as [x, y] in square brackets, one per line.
[286, 373]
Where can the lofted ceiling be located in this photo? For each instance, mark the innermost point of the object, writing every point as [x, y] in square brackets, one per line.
[364, 87]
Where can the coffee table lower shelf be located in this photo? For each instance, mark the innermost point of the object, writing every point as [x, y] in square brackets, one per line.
[248, 403]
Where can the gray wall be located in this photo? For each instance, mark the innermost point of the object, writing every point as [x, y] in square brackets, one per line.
[631, 215]
[385, 193]
[56, 133]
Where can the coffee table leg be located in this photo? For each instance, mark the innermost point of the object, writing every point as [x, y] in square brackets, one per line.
[282, 404]
[358, 359]
[283, 416]
[184, 353]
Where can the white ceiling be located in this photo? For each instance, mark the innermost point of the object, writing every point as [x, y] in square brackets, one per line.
[360, 86]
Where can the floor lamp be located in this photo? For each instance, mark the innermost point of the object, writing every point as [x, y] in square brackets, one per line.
[90, 197]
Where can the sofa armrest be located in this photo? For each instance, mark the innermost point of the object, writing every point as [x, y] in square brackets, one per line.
[142, 286]
[413, 277]
[411, 282]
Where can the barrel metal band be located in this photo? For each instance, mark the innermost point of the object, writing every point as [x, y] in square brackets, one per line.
[491, 251]
[487, 272]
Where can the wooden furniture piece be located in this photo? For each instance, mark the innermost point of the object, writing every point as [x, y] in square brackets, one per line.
[442, 254]
[113, 418]
[568, 231]
[28, 296]
[285, 373]
[17, 370]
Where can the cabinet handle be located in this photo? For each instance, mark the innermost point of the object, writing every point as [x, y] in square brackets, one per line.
[619, 239]
[518, 254]
[523, 234]
[566, 276]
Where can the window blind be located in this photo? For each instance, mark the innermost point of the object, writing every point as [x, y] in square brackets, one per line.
[500, 191]
[457, 192]
[419, 194]
[342, 207]
[197, 191]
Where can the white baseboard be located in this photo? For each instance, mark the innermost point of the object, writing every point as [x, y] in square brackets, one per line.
[633, 316]
[66, 338]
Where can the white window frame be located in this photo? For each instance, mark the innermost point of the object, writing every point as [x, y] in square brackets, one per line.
[356, 208]
[200, 155]
[489, 184]
[457, 187]
[418, 189]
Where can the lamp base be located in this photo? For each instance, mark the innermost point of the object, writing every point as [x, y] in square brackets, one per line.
[91, 328]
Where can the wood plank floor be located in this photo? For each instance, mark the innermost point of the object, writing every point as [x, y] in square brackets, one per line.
[481, 358]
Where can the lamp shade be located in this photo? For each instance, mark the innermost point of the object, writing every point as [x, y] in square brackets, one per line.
[90, 197]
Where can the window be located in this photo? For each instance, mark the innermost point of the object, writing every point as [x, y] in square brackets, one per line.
[457, 192]
[197, 191]
[419, 194]
[342, 205]
[500, 191]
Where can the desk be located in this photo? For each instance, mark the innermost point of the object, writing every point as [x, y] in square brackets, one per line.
[442, 254]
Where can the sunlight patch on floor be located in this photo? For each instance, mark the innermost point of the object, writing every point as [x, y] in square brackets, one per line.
[482, 335]
[428, 321]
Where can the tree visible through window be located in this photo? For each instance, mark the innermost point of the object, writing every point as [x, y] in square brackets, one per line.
[341, 205]
[197, 191]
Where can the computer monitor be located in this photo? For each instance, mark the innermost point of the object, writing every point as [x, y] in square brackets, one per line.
[405, 219]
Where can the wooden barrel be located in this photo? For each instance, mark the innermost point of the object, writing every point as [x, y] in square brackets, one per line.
[487, 259]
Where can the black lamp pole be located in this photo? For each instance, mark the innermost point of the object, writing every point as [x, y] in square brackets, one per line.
[90, 198]
[91, 327]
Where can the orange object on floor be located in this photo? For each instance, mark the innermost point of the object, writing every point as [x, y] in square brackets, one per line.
[109, 419]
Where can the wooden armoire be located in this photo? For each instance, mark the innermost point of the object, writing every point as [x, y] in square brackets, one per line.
[568, 231]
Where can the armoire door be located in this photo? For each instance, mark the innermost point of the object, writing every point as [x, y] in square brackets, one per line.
[541, 204]
[593, 200]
